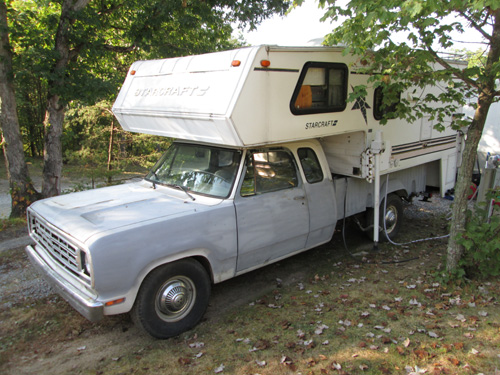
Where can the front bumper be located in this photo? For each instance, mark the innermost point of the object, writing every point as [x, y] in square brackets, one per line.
[84, 304]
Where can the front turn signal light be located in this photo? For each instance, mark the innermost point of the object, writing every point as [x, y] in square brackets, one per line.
[115, 302]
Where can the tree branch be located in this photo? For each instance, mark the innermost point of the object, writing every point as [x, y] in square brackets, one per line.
[111, 9]
[475, 25]
[456, 72]
[119, 49]
[494, 235]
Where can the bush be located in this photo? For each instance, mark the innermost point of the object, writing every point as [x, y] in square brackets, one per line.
[99, 155]
[481, 240]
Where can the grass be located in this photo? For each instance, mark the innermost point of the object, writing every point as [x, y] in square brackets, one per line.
[372, 328]
[344, 316]
[12, 223]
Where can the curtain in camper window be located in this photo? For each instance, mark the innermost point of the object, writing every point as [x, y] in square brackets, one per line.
[322, 88]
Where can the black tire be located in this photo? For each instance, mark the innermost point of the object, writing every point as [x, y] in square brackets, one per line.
[393, 217]
[172, 299]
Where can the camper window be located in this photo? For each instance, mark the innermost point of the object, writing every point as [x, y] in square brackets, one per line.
[267, 171]
[381, 109]
[322, 87]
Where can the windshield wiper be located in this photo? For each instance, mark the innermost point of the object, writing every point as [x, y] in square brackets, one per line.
[153, 181]
[184, 189]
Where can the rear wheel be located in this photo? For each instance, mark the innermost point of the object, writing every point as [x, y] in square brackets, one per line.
[172, 299]
[393, 218]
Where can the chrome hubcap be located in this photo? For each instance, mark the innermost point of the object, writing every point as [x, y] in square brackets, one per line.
[175, 299]
[391, 218]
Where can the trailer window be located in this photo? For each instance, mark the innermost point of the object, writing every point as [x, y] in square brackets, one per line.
[379, 111]
[322, 87]
[310, 165]
[267, 171]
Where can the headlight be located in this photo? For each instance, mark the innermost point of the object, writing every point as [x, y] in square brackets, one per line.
[86, 266]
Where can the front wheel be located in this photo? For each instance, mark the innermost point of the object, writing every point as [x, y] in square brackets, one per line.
[172, 299]
[393, 218]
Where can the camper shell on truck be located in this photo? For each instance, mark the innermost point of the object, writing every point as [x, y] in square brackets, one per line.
[268, 156]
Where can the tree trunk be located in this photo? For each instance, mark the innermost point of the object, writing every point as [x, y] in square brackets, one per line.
[21, 189]
[52, 153]
[459, 212]
[458, 220]
[54, 118]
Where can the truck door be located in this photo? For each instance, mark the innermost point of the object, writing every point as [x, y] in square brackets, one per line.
[271, 208]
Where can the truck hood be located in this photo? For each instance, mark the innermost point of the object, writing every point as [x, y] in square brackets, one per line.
[88, 213]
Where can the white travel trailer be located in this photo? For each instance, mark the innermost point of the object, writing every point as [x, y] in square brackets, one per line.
[268, 156]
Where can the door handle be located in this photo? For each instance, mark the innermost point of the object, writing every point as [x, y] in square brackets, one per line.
[299, 198]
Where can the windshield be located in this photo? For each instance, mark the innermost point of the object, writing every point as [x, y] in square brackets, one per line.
[197, 169]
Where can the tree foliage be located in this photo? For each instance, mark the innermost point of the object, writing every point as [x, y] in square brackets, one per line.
[403, 45]
[105, 36]
[78, 51]
[94, 141]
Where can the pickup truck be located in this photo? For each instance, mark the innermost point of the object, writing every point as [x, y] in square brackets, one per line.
[203, 214]
[268, 158]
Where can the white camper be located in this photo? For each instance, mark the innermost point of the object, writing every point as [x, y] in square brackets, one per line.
[270, 95]
[268, 156]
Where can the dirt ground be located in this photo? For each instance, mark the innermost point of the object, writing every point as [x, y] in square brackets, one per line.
[80, 346]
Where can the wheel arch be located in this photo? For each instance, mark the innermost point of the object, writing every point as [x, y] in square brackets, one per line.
[131, 296]
[206, 264]
[394, 187]
[202, 259]
[197, 255]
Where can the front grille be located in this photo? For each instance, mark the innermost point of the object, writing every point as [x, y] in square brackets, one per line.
[58, 248]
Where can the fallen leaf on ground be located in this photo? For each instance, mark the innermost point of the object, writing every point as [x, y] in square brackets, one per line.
[219, 369]
[454, 361]
[336, 366]
[197, 345]
[286, 360]
[184, 361]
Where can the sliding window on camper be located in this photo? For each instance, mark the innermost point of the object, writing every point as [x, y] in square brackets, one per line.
[322, 88]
